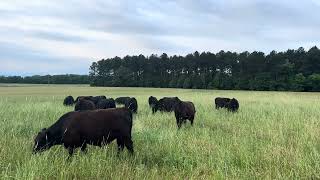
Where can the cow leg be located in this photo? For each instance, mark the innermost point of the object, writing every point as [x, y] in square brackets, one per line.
[179, 123]
[120, 143]
[71, 141]
[129, 144]
[191, 120]
[70, 151]
[178, 120]
[84, 148]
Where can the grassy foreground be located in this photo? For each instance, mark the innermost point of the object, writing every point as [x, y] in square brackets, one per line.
[275, 135]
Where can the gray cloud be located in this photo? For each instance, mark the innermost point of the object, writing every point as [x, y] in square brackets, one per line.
[19, 60]
[34, 31]
[56, 36]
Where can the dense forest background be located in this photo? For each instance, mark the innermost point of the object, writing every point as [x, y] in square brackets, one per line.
[47, 79]
[293, 70]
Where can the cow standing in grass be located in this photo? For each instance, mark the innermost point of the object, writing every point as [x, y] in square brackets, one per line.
[132, 104]
[152, 103]
[96, 99]
[90, 98]
[230, 104]
[83, 105]
[106, 103]
[68, 101]
[233, 105]
[166, 104]
[184, 110]
[122, 100]
[221, 102]
[78, 128]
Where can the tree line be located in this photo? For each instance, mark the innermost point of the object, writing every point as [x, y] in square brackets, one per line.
[47, 79]
[292, 70]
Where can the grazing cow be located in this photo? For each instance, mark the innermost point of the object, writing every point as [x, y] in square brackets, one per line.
[106, 103]
[166, 104]
[184, 110]
[84, 97]
[233, 105]
[96, 99]
[230, 104]
[83, 105]
[102, 97]
[152, 103]
[68, 101]
[132, 104]
[122, 100]
[221, 102]
[77, 129]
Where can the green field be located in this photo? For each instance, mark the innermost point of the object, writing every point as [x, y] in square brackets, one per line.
[275, 135]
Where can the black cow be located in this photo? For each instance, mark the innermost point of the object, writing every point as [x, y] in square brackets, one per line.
[166, 104]
[233, 105]
[77, 129]
[68, 101]
[106, 103]
[96, 99]
[85, 98]
[83, 105]
[122, 100]
[132, 104]
[184, 110]
[221, 102]
[152, 103]
[230, 104]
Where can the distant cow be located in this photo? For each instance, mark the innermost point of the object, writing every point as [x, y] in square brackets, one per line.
[233, 105]
[230, 104]
[77, 129]
[122, 100]
[166, 104]
[85, 98]
[68, 101]
[106, 103]
[184, 110]
[152, 103]
[221, 102]
[83, 105]
[132, 104]
[96, 99]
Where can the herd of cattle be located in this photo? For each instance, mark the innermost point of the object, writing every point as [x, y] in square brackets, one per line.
[97, 121]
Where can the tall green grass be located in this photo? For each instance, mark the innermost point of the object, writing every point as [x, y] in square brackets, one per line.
[275, 135]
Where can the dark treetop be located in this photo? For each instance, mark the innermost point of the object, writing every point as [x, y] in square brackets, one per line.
[292, 70]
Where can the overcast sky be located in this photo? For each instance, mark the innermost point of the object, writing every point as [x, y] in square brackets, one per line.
[59, 36]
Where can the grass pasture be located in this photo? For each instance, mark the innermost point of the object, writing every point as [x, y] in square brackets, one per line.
[275, 135]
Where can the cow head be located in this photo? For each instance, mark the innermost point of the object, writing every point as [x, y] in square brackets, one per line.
[41, 141]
